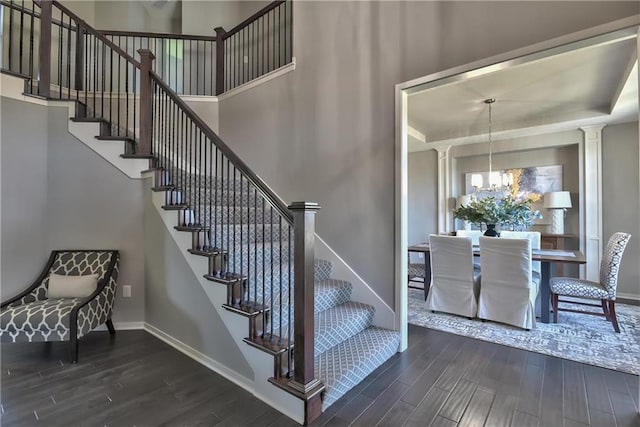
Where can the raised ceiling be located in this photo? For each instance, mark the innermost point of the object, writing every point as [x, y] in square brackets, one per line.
[591, 83]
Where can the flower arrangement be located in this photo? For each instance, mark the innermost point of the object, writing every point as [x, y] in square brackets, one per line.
[507, 211]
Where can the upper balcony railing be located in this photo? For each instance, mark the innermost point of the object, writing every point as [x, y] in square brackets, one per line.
[189, 64]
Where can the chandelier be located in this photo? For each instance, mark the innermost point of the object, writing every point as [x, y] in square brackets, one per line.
[497, 181]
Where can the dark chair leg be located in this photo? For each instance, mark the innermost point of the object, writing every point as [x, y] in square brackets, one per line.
[612, 315]
[73, 349]
[109, 324]
[605, 308]
[555, 303]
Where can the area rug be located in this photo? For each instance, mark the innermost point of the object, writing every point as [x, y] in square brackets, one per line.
[577, 337]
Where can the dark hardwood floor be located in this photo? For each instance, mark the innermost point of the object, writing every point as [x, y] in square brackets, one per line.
[441, 380]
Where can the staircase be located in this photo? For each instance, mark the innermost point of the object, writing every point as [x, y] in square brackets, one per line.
[259, 250]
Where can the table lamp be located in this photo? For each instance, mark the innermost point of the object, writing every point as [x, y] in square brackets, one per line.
[557, 202]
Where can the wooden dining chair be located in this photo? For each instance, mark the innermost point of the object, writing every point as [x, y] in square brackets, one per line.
[454, 281]
[508, 290]
[605, 290]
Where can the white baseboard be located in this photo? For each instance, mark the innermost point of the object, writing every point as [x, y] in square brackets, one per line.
[122, 326]
[201, 358]
[634, 297]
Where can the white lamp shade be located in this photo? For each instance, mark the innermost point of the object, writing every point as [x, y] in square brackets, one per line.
[495, 180]
[557, 200]
[463, 200]
[476, 180]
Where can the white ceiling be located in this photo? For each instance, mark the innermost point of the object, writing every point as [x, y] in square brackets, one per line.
[594, 84]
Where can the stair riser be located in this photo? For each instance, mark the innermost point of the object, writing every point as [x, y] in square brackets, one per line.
[229, 216]
[230, 198]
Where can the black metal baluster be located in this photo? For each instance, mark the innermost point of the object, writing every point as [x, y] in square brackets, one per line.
[255, 249]
[69, 58]
[201, 209]
[60, 44]
[119, 92]
[11, 35]
[280, 276]
[135, 88]
[111, 88]
[235, 223]
[95, 71]
[103, 54]
[289, 279]
[264, 291]
[31, 32]
[231, 249]
[197, 68]
[21, 35]
[86, 73]
[215, 210]
[271, 265]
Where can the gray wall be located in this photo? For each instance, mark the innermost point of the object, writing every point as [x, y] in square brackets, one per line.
[620, 192]
[176, 302]
[422, 196]
[59, 194]
[325, 132]
[129, 15]
[24, 237]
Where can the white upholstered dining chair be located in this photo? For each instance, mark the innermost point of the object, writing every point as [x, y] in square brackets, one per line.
[454, 281]
[605, 290]
[535, 237]
[509, 290]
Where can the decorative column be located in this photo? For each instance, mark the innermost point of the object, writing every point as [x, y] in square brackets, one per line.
[591, 202]
[444, 188]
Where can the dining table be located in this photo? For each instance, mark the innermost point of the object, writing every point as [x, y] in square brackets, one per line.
[547, 257]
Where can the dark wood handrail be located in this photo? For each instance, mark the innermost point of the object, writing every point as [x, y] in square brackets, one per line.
[251, 176]
[89, 29]
[34, 14]
[157, 35]
[20, 8]
[268, 8]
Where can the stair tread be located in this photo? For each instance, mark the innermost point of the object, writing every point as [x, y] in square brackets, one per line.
[89, 119]
[114, 138]
[343, 366]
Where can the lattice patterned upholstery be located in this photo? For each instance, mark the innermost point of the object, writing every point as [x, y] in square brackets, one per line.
[416, 270]
[609, 267]
[33, 317]
[578, 288]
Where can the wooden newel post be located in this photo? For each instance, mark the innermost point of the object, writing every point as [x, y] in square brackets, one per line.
[146, 101]
[79, 72]
[220, 36]
[304, 380]
[44, 56]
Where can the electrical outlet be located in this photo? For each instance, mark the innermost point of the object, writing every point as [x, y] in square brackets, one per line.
[246, 59]
[126, 291]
